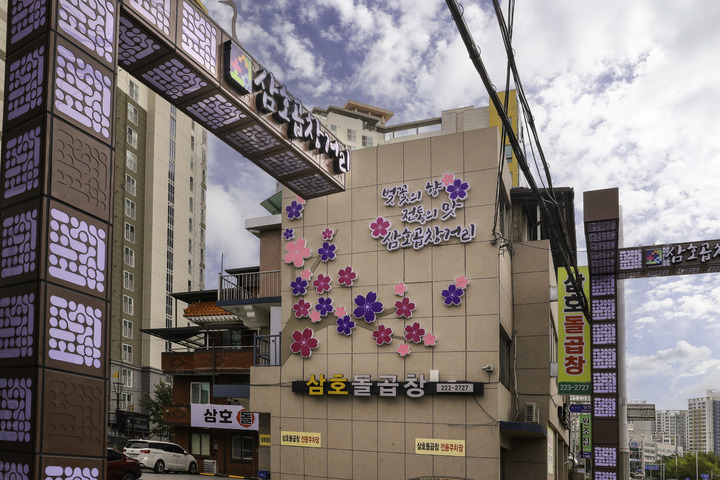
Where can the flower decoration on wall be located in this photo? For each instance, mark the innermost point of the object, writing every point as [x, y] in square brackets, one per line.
[429, 340]
[294, 210]
[414, 333]
[289, 234]
[328, 234]
[383, 335]
[453, 295]
[367, 307]
[327, 252]
[447, 179]
[340, 312]
[324, 306]
[306, 274]
[346, 276]
[315, 316]
[379, 227]
[404, 349]
[300, 200]
[400, 289]
[302, 308]
[345, 325]
[297, 252]
[404, 308]
[457, 190]
[461, 282]
[303, 342]
[322, 283]
[299, 286]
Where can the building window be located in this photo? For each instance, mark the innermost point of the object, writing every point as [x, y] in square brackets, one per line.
[130, 208]
[134, 91]
[128, 305]
[508, 153]
[129, 257]
[190, 267]
[127, 353]
[192, 205]
[202, 255]
[127, 376]
[333, 128]
[130, 184]
[200, 444]
[192, 184]
[127, 330]
[192, 142]
[367, 141]
[132, 138]
[132, 113]
[129, 281]
[242, 448]
[351, 135]
[130, 161]
[190, 245]
[200, 392]
[126, 403]
[505, 360]
[129, 232]
[190, 225]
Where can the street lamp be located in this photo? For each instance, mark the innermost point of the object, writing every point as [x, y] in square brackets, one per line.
[118, 389]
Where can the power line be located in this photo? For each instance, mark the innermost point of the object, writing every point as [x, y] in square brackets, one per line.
[561, 242]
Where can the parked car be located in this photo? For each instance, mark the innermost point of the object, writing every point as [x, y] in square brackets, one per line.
[161, 456]
[121, 467]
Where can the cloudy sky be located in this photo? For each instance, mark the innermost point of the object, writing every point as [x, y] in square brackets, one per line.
[624, 94]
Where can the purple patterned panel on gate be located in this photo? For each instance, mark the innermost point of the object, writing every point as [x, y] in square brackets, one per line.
[57, 472]
[602, 285]
[253, 139]
[604, 382]
[630, 259]
[283, 164]
[199, 38]
[92, 24]
[22, 162]
[83, 92]
[15, 409]
[605, 456]
[24, 17]
[604, 334]
[19, 244]
[605, 407]
[605, 476]
[604, 358]
[174, 79]
[157, 12]
[17, 320]
[134, 44]
[19, 470]
[603, 309]
[77, 251]
[311, 186]
[26, 83]
[75, 334]
[216, 112]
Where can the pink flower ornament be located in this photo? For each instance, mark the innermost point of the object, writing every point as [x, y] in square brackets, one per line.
[383, 335]
[448, 179]
[297, 252]
[328, 234]
[340, 312]
[306, 274]
[403, 349]
[346, 276]
[404, 308]
[414, 333]
[429, 340]
[315, 316]
[400, 289]
[461, 282]
[379, 228]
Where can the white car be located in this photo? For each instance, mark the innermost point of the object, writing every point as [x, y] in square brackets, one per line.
[161, 456]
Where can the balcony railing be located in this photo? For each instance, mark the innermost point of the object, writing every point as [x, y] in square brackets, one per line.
[267, 351]
[201, 360]
[249, 286]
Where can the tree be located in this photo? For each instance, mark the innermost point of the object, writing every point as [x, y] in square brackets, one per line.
[155, 405]
[707, 463]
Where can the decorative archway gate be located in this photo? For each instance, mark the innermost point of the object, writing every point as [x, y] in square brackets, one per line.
[56, 201]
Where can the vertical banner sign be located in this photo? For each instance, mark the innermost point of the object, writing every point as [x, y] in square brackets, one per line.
[585, 435]
[574, 333]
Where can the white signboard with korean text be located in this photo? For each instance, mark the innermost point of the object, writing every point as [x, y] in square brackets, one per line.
[230, 417]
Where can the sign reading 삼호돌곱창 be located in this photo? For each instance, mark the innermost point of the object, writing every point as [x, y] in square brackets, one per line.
[574, 336]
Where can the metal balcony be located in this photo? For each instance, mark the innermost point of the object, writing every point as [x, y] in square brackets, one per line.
[249, 286]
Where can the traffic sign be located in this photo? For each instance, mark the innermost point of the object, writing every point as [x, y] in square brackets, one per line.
[581, 408]
[652, 467]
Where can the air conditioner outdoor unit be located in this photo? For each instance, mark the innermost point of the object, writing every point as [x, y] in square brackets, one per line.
[532, 413]
[210, 466]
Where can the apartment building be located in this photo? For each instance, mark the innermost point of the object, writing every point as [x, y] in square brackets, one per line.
[702, 433]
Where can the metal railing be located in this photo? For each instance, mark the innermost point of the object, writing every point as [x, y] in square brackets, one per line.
[246, 286]
[267, 351]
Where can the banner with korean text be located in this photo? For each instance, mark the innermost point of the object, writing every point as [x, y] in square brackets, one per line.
[231, 417]
[573, 336]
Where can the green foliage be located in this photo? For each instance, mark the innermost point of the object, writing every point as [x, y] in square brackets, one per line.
[155, 405]
[706, 462]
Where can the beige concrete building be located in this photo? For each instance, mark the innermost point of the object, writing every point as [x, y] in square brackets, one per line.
[462, 387]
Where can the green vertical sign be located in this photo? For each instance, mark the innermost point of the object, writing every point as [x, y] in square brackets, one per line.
[585, 434]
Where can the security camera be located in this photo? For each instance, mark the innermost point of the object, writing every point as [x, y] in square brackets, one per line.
[488, 368]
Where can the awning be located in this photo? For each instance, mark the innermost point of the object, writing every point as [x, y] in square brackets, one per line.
[190, 337]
